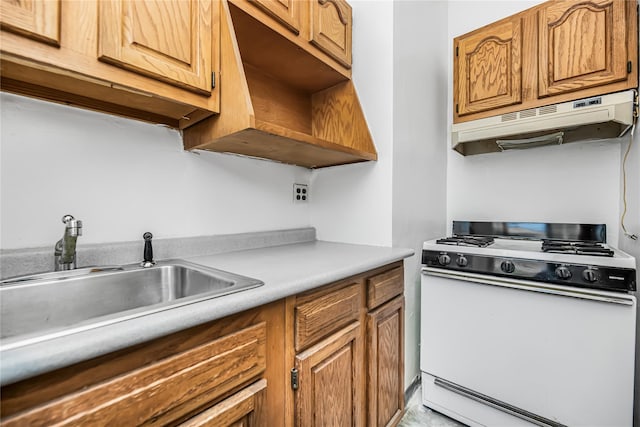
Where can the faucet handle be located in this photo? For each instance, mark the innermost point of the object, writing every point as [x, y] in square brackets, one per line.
[148, 251]
[73, 226]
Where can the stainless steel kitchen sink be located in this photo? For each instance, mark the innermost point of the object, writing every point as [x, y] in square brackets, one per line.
[40, 307]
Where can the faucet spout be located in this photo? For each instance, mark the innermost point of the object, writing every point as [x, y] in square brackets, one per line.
[65, 249]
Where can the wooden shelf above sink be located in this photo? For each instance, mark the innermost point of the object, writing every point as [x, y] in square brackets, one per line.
[281, 102]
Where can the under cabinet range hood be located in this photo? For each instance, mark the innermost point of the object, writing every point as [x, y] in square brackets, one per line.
[599, 117]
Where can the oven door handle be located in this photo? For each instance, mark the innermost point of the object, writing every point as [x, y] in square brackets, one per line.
[527, 285]
[497, 404]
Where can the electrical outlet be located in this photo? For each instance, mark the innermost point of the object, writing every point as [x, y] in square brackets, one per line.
[300, 193]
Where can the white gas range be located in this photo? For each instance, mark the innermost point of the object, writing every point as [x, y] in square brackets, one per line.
[528, 323]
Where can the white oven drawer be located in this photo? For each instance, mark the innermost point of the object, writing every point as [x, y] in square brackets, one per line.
[560, 356]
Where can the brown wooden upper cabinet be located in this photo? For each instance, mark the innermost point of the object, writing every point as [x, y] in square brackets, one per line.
[286, 97]
[167, 40]
[331, 25]
[150, 60]
[555, 52]
[39, 20]
[582, 44]
[287, 12]
[489, 67]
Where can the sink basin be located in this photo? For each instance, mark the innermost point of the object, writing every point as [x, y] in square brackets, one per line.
[40, 307]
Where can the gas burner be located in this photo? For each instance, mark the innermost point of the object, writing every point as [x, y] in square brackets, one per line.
[481, 242]
[576, 248]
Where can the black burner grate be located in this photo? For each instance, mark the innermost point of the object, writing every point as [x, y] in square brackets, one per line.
[576, 248]
[479, 241]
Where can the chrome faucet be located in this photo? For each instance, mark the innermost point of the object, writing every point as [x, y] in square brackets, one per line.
[65, 249]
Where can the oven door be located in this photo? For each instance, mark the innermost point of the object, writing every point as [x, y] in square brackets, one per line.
[496, 351]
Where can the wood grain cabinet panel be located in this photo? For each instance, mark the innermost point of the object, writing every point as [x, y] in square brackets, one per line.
[245, 408]
[331, 383]
[287, 12]
[385, 370]
[161, 392]
[489, 68]
[35, 19]
[385, 286]
[321, 313]
[167, 40]
[582, 44]
[331, 25]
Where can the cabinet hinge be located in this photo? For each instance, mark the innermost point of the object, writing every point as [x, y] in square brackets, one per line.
[294, 379]
[457, 109]
[213, 80]
[629, 67]
[456, 50]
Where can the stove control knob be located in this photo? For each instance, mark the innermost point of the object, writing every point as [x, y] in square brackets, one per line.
[589, 275]
[462, 261]
[508, 266]
[563, 273]
[444, 259]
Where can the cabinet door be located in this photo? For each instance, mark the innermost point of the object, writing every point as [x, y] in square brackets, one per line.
[331, 382]
[582, 44]
[167, 40]
[385, 351]
[245, 408]
[287, 12]
[36, 19]
[488, 68]
[331, 24]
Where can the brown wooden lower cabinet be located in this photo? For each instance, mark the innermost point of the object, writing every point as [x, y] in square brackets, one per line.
[331, 381]
[236, 371]
[353, 377]
[385, 352]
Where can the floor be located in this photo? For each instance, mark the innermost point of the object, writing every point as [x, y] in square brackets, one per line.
[417, 414]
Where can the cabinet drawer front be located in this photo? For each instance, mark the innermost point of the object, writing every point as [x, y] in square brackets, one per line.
[384, 286]
[318, 316]
[582, 45]
[163, 391]
[245, 408]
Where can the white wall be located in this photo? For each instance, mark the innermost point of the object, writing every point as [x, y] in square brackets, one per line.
[123, 177]
[354, 203]
[419, 154]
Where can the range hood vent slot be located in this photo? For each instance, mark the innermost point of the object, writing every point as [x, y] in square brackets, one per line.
[602, 117]
[548, 109]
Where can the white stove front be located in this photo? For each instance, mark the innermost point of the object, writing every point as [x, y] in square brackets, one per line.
[496, 353]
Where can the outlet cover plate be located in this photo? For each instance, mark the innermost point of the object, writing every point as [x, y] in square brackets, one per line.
[300, 193]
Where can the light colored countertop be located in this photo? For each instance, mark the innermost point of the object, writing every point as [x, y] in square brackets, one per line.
[285, 270]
